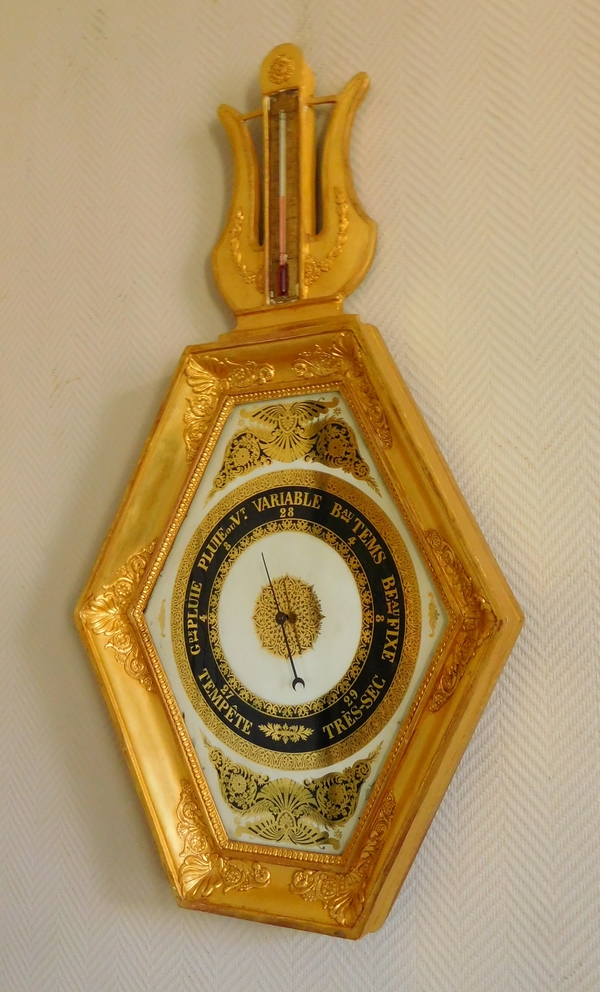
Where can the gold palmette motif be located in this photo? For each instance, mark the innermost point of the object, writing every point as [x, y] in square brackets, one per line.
[285, 811]
[209, 378]
[304, 617]
[287, 432]
[478, 621]
[107, 615]
[343, 895]
[203, 869]
[252, 278]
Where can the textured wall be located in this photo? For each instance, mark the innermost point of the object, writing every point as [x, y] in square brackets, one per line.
[477, 153]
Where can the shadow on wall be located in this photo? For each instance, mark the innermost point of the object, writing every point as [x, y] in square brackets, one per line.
[109, 818]
[198, 279]
[198, 274]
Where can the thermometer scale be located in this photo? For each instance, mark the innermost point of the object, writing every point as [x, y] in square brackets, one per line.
[283, 197]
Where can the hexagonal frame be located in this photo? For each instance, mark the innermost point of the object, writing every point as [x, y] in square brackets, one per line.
[346, 895]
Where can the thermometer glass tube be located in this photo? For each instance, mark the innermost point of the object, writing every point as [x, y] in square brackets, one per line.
[283, 197]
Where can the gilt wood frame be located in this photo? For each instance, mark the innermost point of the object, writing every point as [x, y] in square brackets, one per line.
[348, 895]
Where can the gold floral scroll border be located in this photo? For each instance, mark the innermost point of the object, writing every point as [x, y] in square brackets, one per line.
[478, 621]
[210, 378]
[203, 869]
[343, 895]
[107, 615]
[412, 640]
[314, 267]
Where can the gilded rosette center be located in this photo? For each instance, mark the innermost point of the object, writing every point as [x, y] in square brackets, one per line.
[299, 602]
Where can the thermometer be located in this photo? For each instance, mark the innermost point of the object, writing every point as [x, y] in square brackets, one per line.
[283, 197]
[283, 274]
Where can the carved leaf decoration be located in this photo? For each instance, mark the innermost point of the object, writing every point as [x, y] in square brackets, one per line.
[208, 379]
[343, 895]
[285, 733]
[478, 623]
[238, 259]
[203, 378]
[344, 358]
[202, 869]
[314, 267]
[251, 277]
[106, 615]
[434, 615]
[199, 876]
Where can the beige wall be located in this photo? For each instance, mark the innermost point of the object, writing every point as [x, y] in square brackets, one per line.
[477, 151]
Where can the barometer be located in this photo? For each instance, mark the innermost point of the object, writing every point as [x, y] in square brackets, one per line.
[295, 619]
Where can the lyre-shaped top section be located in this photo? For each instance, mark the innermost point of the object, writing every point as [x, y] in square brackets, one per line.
[295, 263]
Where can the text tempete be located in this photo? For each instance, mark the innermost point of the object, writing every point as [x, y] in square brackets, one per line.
[222, 696]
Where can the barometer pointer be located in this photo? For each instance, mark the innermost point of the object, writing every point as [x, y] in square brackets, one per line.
[281, 618]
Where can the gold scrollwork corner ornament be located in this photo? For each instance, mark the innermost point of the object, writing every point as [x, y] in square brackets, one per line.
[209, 378]
[343, 894]
[203, 869]
[478, 621]
[106, 614]
[344, 358]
